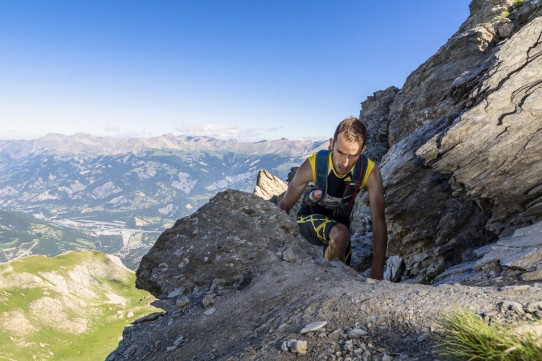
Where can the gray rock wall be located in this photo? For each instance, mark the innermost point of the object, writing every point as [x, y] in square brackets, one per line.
[463, 167]
[425, 95]
[494, 150]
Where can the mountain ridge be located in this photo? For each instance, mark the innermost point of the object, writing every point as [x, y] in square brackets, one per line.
[83, 144]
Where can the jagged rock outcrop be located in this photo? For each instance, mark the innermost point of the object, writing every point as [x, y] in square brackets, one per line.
[424, 97]
[428, 226]
[268, 186]
[494, 150]
[237, 285]
[464, 166]
[374, 113]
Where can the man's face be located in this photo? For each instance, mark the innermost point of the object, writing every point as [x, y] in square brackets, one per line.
[345, 154]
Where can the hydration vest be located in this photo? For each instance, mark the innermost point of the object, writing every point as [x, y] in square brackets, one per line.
[344, 208]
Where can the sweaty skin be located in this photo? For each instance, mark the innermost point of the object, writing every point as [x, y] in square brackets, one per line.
[345, 155]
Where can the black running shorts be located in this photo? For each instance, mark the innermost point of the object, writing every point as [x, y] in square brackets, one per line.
[316, 228]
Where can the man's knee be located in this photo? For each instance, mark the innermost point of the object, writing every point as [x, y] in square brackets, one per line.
[339, 231]
[340, 234]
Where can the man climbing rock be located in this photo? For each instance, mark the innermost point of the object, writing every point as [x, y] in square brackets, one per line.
[334, 177]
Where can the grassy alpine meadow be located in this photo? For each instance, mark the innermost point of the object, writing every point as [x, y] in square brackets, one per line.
[69, 307]
[466, 336]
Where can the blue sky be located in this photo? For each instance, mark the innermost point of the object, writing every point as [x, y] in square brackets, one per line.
[248, 69]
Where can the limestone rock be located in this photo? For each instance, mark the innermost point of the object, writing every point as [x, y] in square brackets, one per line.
[494, 150]
[427, 225]
[522, 250]
[394, 268]
[374, 113]
[295, 346]
[356, 333]
[423, 97]
[268, 186]
[209, 311]
[314, 326]
[150, 317]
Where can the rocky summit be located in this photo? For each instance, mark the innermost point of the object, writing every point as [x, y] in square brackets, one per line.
[459, 147]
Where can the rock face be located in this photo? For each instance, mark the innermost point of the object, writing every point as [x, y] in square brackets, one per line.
[464, 165]
[493, 151]
[230, 293]
[424, 96]
[510, 260]
[375, 113]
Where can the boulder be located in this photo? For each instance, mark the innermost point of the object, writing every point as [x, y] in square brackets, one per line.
[233, 237]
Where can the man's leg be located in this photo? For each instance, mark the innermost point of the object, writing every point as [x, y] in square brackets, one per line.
[323, 231]
[339, 241]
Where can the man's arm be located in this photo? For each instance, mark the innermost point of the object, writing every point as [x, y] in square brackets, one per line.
[380, 231]
[296, 187]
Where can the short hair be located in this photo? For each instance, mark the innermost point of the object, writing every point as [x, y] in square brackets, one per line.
[352, 129]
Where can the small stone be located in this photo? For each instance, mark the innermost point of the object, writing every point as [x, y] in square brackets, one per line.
[532, 276]
[423, 337]
[208, 300]
[171, 348]
[313, 326]
[387, 357]
[513, 306]
[514, 288]
[163, 304]
[150, 317]
[295, 346]
[182, 301]
[210, 311]
[178, 341]
[301, 347]
[532, 307]
[217, 284]
[371, 281]
[175, 292]
[356, 333]
[288, 255]
[335, 335]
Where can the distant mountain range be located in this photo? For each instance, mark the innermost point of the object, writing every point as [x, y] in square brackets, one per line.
[117, 195]
[86, 145]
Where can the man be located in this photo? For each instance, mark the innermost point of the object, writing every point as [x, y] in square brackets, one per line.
[326, 221]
